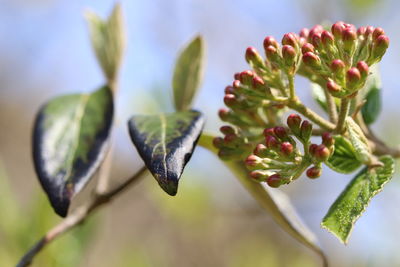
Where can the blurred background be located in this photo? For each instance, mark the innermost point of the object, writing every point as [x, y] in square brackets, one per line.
[45, 51]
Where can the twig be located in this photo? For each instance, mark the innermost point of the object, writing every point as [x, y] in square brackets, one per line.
[77, 217]
[332, 111]
[344, 111]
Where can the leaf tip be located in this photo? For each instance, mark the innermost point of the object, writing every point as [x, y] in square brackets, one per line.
[169, 186]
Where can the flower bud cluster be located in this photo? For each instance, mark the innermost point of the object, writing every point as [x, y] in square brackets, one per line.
[341, 57]
[278, 160]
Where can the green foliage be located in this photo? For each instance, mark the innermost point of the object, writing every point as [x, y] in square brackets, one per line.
[372, 107]
[359, 141]
[344, 159]
[166, 142]
[188, 74]
[108, 40]
[70, 140]
[353, 201]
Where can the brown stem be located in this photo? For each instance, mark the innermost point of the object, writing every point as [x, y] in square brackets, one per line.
[344, 112]
[77, 217]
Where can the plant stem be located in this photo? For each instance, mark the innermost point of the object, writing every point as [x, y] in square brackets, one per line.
[299, 107]
[332, 111]
[292, 93]
[77, 217]
[344, 112]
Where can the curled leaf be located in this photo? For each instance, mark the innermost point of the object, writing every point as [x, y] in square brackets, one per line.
[166, 142]
[69, 142]
[344, 159]
[359, 141]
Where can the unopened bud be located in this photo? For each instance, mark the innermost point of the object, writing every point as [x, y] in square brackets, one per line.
[377, 32]
[253, 57]
[274, 180]
[322, 153]
[294, 121]
[338, 68]
[236, 84]
[271, 142]
[280, 132]
[230, 100]
[316, 40]
[261, 151]
[258, 83]
[252, 161]
[327, 139]
[304, 33]
[305, 130]
[270, 41]
[269, 131]
[333, 87]
[307, 47]
[286, 148]
[289, 55]
[246, 77]
[226, 129]
[272, 55]
[317, 29]
[218, 142]
[337, 29]
[361, 31]
[353, 78]
[224, 114]
[379, 47]
[327, 38]
[311, 60]
[290, 39]
[236, 76]
[229, 90]
[258, 175]
[231, 138]
[363, 68]
[349, 37]
[314, 172]
[312, 148]
[368, 31]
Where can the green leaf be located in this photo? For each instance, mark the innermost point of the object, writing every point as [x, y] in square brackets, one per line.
[319, 96]
[69, 142]
[359, 141]
[372, 108]
[108, 40]
[166, 142]
[353, 201]
[344, 159]
[188, 74]
[275, 202]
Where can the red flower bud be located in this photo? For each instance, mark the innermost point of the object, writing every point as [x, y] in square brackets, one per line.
[380, 46]
[337, 65]
[286, 148]
[363, 68]
[307, 47]
[317, 29]
[272, 54]
[274, 180]
[322, 153]
[368, 31]
[353, 77]
[288, 54]
[377, 32]
[327, 38]
[361, 31]
[252, 161]
[311, 59]
[218, 142]
[305, 130]
[229, 90]
[258, 83]
[333, 87]
[271, 142]
[280, 132]
[226, 129]
[223, 114]
[230, 138]
[316, 40]
[253, 57]
[269, 131]
[236, 84]
[314, 172]
[337, 29]
[327, 139]
[270, 41]
[260, 150]
[312, 148]
[304, 33]
[246, 77]
[258, 175]
[230, 100]
[293, 121]
[236, 76]
[349, 37]
[290, 39]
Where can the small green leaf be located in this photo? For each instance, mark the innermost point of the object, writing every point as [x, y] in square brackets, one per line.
[275, 202]
[166, 142]
[372, 108]
[69, 142]
[353, 201]
[359, 141]
[188, 74]
[344, 159]
[108, 40]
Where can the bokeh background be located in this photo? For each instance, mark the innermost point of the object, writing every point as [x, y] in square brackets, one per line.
[45, 51]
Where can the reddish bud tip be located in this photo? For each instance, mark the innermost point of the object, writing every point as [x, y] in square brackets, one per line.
[269, 131]
[286, 148]
[304, 33]
[305, 130]
[226, 129]
[316, 40]
[230, 138]
[252, 56]
[288, 54]
[258, 175]
[368, 31]
[307, 47]
[317, 29]
[322, 153]
[337, 66]
[380, 46]
[236, 76]
[229, 90]
[333, 87]
[362, 66]
[252, 160]
[312, 148]
[223, 113]
[230, 100]
[258, 82]
[271, 142]
[327, 38]
[218, 142]
[349, 35]
[377, 32]
[353, 76]
[246, 77]
[274, 180]
[327, 139]
[311, 59]
[280, 132]
[236, 84]
[294, 121]
[337, 29]
[290, 39]
[260, 150]
[270, 41]
[314, 172]
[361, 31]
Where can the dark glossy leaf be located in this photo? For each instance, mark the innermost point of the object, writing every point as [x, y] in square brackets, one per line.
[372, 108]
[187, 74]
[69, 142]
[344, 157]
[353, 201]
[108, 40]
[166, 142]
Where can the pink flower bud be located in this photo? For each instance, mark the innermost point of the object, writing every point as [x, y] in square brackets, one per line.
[349, 37]
[317, 29]
[294, 121]
[327, 38]
[253, 57]
[230, 100]
[333, 87]
[271, 142]
[314, 172]
[337, 65]
[258, 175]
[269, 131]
[316, 40]
[312, 148]
[363, 68]
[361, 31]
[236, 84]
[304, 33]
[229, 90]
[252, 161]
[218, 142]
[274, 180]
[368, 31]
[289, 55]
[226, 129]
[322, 153]
[260, 150]
[230, 138]
[353, 77]
[258, 83]
[380, 45]
[236, 76]
[272, 54]
[290, 39]
[305, 130]
[307, 47]
[377, 32]
[246, 77]
[223, 114]
[280, 132]
[270, 41]
[286, 148]
[337, 29]
[311, 59]
[327, 139]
